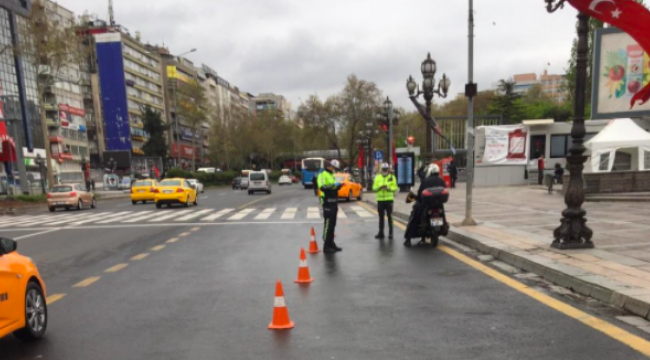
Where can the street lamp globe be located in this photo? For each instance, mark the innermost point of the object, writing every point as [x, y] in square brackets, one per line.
[387, 105]
[428, 67]
[411, 85]
[445, 83]
[428, 83]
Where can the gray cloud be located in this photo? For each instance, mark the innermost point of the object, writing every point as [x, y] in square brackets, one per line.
[302, 47]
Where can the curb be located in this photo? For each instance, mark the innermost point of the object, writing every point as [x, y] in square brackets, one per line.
[635, 300]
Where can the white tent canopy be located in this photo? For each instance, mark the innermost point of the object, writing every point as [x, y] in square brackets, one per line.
[624, 136]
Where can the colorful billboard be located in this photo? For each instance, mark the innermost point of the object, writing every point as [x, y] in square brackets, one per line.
[621, 69]
[117, 130]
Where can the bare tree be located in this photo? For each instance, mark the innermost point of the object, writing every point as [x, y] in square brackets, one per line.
[193, 109]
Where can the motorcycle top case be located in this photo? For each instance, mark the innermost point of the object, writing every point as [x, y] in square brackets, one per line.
[435, 196]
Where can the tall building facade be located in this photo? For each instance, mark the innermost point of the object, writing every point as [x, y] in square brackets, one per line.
[552, 85]
[270, 101]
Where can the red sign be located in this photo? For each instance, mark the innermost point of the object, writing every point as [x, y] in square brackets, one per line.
[72, 110]
[187, 152]
[410, 140]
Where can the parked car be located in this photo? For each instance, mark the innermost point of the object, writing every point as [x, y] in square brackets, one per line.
[23, 309]
[258, 181]
[236, 183]
[350, 187]
[284, 180]
[176, 191]
[243, 184]
[70, 196]
[143, 190]
[294, 179]
[199, 185]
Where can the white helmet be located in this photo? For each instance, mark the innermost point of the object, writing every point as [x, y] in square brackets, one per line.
[385, 166]
[432, 169]
[335, 164]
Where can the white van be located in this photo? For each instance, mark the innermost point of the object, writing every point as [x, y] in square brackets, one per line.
[209, 170]
[258, 181]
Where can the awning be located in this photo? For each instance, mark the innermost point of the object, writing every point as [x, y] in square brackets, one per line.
[538, 122]
[8, 148]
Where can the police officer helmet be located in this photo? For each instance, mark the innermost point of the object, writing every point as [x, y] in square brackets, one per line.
[432, 169]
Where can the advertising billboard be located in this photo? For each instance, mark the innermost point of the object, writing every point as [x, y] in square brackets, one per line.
[117, 129]
[405, 169]
[621, 69]
[502, 145]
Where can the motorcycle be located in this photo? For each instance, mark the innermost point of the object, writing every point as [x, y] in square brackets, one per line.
[433, 222]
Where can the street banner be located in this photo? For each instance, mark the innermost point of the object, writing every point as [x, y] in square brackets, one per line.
[502, 145]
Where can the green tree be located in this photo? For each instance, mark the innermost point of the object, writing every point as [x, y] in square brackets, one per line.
[193, 109]
[507, 102]
[154, 126]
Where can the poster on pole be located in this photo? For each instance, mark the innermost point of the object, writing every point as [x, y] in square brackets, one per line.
[405, 169]
[502, 145]
[621, 69]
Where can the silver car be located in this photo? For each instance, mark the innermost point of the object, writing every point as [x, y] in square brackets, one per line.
[258, 181]
[197, 184]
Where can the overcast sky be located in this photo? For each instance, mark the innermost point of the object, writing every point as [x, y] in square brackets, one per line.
[301, 47]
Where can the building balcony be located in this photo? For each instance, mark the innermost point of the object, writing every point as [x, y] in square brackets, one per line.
[52, 124]
[138, 138]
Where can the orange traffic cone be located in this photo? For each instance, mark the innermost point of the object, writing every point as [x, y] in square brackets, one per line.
[280, 313]
[313, 245]
[303, 269]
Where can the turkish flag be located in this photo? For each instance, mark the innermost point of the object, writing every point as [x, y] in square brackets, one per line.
[362, 157]
[627, 15]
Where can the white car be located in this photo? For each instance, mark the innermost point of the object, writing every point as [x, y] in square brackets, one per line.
[284, 180]
[197, 184]
[258, 181]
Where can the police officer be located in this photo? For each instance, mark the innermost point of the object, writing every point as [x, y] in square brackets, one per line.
[329, 193]
[385, 186]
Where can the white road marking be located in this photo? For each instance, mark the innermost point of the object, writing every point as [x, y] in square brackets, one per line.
[341, 214]
[217, 215]
[35, 234]
[26, 221]
[95, 217]
[313, 213]
[105, 217]
[194, 215]
[265, 214]
[289, 214]
[172, 214]
[70, 219]
[242, 214]
[204, 197]
[140, 217]
[362, 212]
[121, 217]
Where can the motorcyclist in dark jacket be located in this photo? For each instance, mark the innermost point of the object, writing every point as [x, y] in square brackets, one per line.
[430, 179]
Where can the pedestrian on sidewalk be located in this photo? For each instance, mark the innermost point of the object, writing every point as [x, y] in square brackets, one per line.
[329, 198]
[540, 169]
[453, 172]
[385, 186]
[92, 184]
[559, 173]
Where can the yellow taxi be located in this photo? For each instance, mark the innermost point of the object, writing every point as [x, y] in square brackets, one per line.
[350, 188]
[143, 190]
[23, 310]
[175, 191]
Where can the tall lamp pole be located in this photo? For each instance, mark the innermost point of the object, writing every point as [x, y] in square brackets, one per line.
[470, 91]
[388, 118]
[365, 139]
[428, 69]
[573, 233]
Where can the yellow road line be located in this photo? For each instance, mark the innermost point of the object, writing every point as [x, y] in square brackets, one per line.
[255, 202]
[89, 281]
[158, 248]
[116, 268]
[184, 234]
[54, 298]
[172, 240]
[140, 257]
[195, 229]
[637, 343]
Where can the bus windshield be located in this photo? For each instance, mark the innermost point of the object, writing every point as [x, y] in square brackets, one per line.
[313, 164]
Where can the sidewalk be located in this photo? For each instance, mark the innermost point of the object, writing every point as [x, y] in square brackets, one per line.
[516, 225]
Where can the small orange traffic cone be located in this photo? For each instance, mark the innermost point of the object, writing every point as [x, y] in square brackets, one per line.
[280, 313]
[303, 270]
[313, 245]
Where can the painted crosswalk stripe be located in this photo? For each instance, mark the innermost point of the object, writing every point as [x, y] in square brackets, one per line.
[95, 217]
[265, 214]
[119, 218]
[106, 217]
[194, 215]
[38, 220]
[361, 212]
[172, 214]
[313, 213]
[23, 219]
[139, 217]
[242, 214]
[217, 215]
[341, 214]
[289, 214]
[70, 219]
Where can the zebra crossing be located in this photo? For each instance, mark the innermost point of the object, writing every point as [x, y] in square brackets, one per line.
[194, 215]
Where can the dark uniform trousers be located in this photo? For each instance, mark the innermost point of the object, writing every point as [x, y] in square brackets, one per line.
[385, 208]
[330, 212]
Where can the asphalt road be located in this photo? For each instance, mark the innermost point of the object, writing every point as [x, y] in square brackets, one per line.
[205, 288]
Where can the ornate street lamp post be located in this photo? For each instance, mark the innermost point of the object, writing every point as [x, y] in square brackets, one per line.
[573, 232]
[365, 139]
[386, 119]
[428, 69]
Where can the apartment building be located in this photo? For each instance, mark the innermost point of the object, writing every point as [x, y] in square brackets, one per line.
[270, 101]
[552, 85]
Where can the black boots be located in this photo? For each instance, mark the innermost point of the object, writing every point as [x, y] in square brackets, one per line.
[380, 236]
[330, 248]
[407, 242]
[390, 235]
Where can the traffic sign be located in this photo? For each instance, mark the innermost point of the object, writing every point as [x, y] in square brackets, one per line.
[379, 155]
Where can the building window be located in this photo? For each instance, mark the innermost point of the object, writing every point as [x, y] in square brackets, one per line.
[604, 162]
[560, 145]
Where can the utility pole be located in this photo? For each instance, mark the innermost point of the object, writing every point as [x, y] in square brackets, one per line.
[470, 92]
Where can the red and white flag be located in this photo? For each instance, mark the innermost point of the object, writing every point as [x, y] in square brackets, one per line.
[627, 15]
